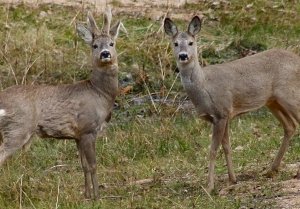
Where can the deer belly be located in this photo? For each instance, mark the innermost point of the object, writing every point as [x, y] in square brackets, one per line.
[251, 105]
[59, 129]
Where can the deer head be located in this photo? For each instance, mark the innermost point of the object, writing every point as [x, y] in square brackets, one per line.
[102, 42]
[184, 43]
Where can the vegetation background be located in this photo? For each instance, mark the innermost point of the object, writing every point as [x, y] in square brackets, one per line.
[154, 154]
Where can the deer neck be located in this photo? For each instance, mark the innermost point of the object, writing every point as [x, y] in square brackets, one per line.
[105, 81]
[193, 80]
[191, 74]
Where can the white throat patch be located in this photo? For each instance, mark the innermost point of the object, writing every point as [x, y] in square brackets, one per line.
[2, 112]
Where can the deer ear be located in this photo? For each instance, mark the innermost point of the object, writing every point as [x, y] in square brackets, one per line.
[84, 33]
[170, 27]
[114, 30]
[194, 26]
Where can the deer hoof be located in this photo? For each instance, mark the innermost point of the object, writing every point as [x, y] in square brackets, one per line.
[232, 182]
[96, 197]
[270, 173]
[87, 196]
[297, 176]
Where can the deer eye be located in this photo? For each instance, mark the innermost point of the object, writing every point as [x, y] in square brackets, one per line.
[95, 46]
[175, 44]
[191, 43]
[111, 44]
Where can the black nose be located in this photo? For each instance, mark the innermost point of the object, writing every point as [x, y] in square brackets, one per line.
[105, 54]
[183, 56]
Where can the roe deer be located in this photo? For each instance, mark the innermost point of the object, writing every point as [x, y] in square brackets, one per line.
[75, 111]
[221, 92]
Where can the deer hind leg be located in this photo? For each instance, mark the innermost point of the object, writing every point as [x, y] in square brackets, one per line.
[289, 126]
[27, 145]
[298, 174]
[1, 138]
[11, 143]
[228, 154]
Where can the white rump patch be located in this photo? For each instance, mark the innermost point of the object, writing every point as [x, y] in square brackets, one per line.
[2, 112]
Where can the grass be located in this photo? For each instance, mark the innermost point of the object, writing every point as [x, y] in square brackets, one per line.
[172, 151]
[169, 145]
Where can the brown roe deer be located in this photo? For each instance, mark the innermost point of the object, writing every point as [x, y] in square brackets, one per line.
[221, 92]
[73, 111]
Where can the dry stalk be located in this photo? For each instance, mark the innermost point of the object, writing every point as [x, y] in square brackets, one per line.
[27, 70]
[112, 197]
[160, 30]
[171, 88]
[8, 31]
[141, 182]
[180, 104]
[179, 206]
[208, 194]
[10, 67]
[150, 95]
[56, 166]
[146, 34]
[74, 18]
[58, 185]
[122, 28]
[29, 200]
[21, 192]
[162, 71]
[36, 77]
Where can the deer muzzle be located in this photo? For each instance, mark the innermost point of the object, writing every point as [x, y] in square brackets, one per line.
[105, 56]
[183, 57]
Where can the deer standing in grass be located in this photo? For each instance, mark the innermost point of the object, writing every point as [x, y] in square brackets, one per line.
[75, 111]
[221, 92]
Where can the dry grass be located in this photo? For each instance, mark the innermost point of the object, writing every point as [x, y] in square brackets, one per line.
[154, 154]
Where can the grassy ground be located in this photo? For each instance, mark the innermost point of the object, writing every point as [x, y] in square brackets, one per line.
[161, 144]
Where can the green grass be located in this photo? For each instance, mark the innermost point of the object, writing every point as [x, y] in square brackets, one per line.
[172, 151]
[167, 145]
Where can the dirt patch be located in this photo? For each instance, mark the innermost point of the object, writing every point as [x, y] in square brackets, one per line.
[154, 9]
[271, 193]
[286, 194]
[103, 3]
[291, 195]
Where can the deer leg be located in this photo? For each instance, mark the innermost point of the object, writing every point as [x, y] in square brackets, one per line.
[228, 156]
[289, 130]
[27, 145]
[12, 143]
[298, 174]
[1, 138]
[93, 165]
[4, 154]
[217, 136]
[87, 175]
[88, 149]
[288, 134]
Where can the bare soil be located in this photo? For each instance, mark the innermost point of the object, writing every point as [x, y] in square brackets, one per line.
[154, 9]
[284, 194]
[291, 197]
